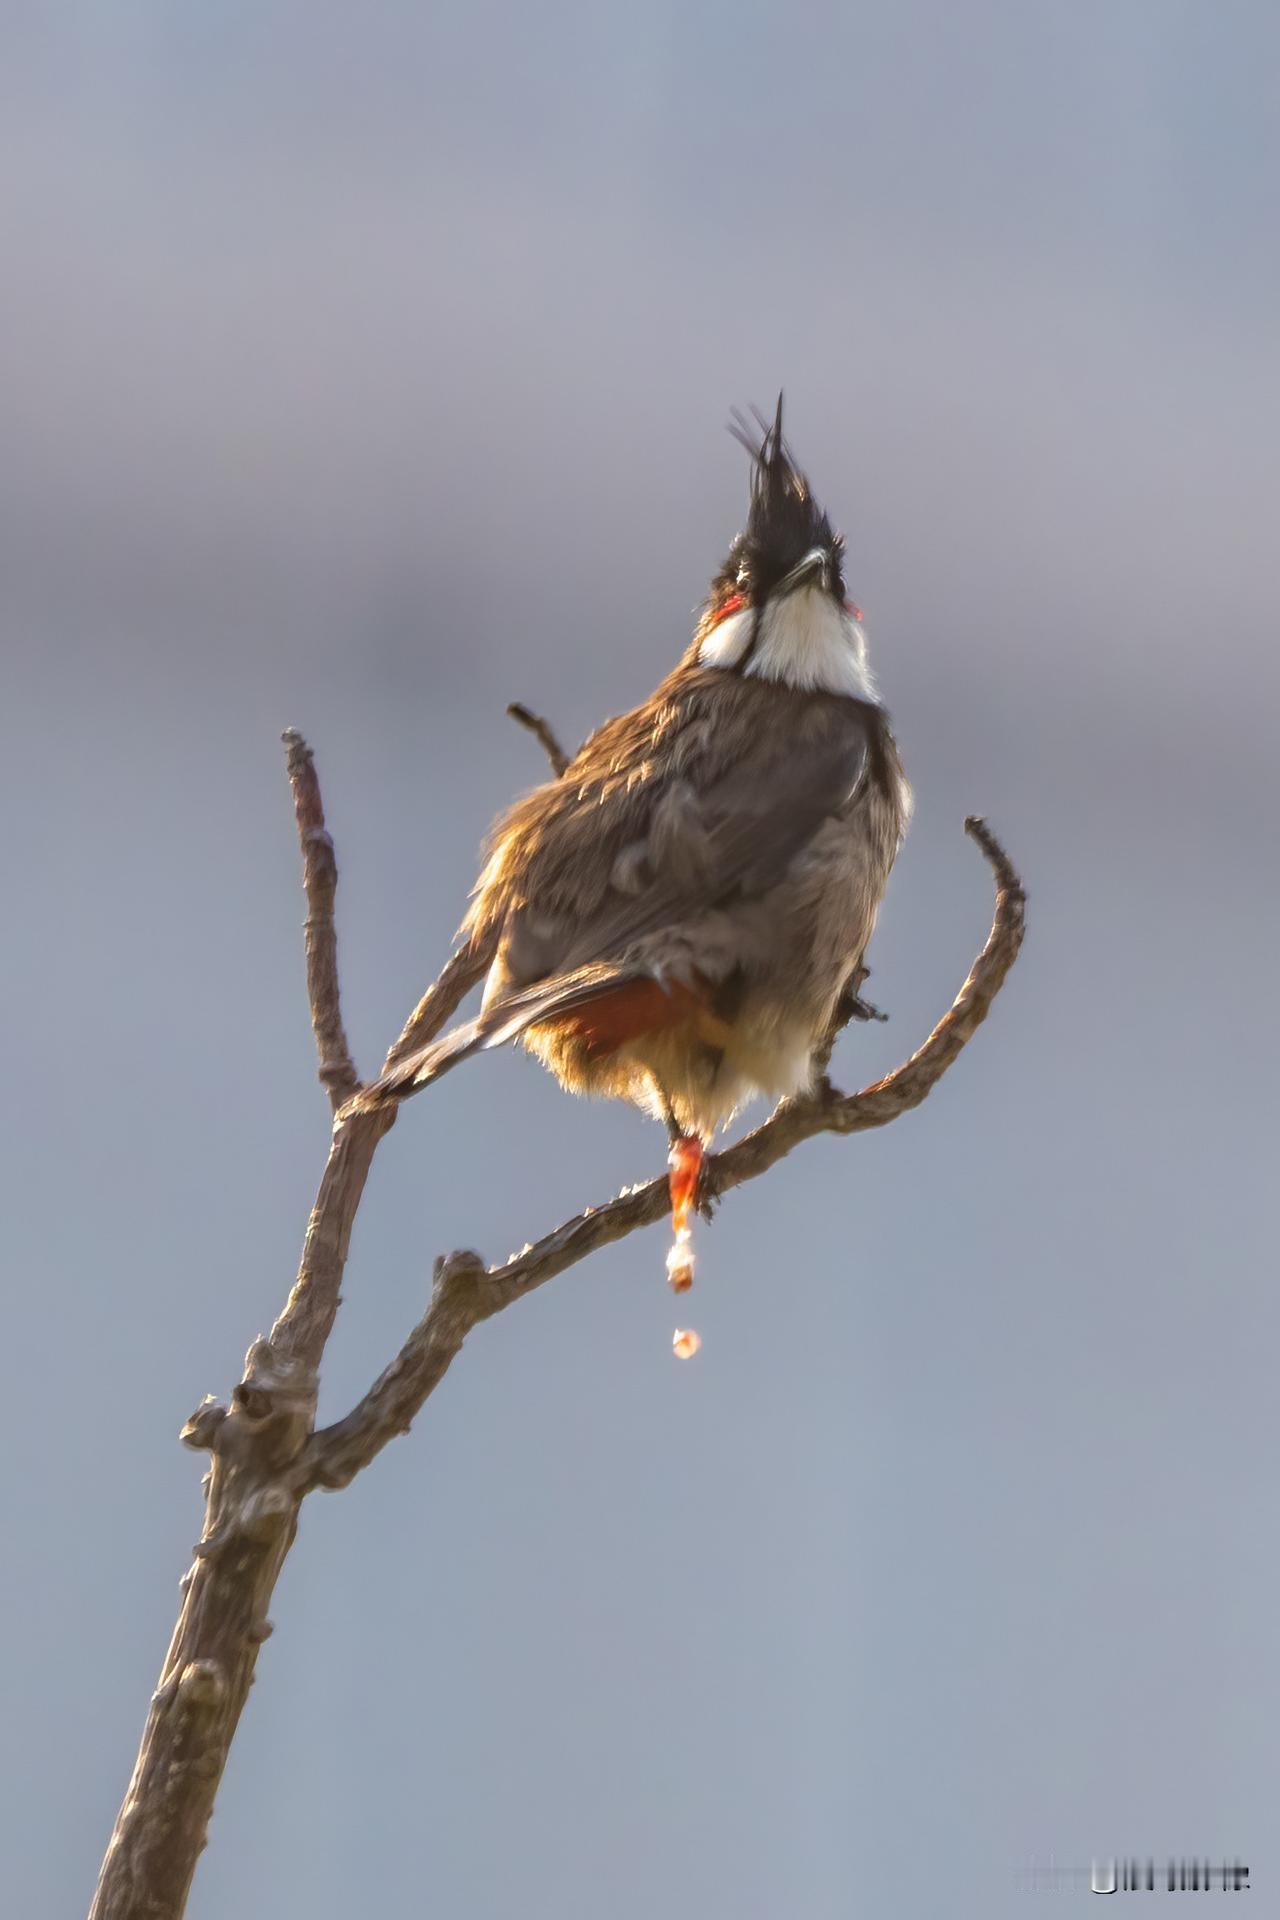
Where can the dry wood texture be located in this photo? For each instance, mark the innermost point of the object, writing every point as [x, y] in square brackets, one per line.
[266, 1452]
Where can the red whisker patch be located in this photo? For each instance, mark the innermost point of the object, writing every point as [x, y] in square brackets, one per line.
[733, 604]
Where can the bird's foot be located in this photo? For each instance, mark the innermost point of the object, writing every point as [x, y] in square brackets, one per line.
[707, 1195]
[852, 1006]
[856, 1008]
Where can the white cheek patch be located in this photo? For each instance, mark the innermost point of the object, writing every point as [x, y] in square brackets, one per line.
[806, 640]
[727, 641]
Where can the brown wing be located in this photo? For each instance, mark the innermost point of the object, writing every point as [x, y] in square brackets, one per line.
[492, 1027]
[704, 795]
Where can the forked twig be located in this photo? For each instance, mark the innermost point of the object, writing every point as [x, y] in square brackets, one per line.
[266, 1453]
[320, 879]
[542, 732]
[465, 1292]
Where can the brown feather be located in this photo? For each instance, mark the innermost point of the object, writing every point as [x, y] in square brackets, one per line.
[556, 849]
[678, 914]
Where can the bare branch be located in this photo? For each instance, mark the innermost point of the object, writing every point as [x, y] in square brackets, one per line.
[250, 1518]
[542, 731]
[266, 1456]
[441, 1000]
[465, 1294]
[255, 1486]
[307, 1319]
[458, 1303]
[308, 1315]
[320, 879]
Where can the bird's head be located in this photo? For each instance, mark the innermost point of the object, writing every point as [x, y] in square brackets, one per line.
[777, 606]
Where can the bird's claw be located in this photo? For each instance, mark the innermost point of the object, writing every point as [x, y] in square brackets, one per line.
[852, 1005]
[856, 1008]
[706, 1200]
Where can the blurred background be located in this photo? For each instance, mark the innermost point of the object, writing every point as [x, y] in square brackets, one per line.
[365, 369]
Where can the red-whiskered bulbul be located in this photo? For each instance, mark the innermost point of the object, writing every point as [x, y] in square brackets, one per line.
[678, 915]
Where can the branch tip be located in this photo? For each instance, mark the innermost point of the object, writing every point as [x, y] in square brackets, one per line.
[1002, 866]
[298, 754]
[543, 732]
[320, 880]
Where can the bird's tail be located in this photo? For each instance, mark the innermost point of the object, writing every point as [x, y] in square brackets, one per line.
[505, 1020]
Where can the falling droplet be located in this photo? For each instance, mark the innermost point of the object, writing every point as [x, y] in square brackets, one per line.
[685, 1343]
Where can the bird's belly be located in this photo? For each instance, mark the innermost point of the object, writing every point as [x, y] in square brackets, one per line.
[684, 1055]
[705, 1083]
[741, 996]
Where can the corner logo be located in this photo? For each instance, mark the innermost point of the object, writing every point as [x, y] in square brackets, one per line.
[1176, 1876]
[1143, 1876]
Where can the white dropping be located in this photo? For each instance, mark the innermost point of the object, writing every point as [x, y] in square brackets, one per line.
[680, 1255]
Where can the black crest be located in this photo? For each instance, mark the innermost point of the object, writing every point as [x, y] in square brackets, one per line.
[784, 521]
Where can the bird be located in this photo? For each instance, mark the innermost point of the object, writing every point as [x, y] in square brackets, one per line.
[678, 916]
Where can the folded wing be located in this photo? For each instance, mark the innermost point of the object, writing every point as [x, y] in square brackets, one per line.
[699, 830]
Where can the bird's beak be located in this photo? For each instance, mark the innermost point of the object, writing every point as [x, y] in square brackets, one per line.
[813, 570]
